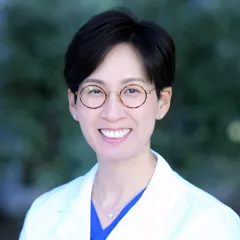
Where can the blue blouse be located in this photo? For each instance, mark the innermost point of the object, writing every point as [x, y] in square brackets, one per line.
[97, 233]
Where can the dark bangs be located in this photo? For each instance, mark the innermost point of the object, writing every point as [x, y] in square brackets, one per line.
[101, 33]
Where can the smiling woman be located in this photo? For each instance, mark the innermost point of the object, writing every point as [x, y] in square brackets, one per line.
[119, 72]
[119, 103]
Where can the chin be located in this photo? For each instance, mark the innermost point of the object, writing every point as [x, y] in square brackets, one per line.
[114, 154]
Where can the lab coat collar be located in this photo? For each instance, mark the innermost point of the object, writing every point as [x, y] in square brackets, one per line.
[75, 218]
[149, 218]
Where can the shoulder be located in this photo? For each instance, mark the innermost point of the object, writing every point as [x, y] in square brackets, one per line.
[54, 206]
[201, 215]
[59, 196]
[43, 211]
[62, 197]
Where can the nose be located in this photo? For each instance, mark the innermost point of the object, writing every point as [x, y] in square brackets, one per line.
[113, 109]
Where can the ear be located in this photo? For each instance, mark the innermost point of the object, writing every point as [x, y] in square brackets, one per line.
[164, 102]
[72, 104]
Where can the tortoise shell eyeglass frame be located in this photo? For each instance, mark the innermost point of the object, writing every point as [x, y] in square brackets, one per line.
[78, 94]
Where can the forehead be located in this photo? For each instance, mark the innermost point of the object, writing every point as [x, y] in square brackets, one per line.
[121, 63]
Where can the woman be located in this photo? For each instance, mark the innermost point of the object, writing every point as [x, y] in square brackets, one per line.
[119, 74]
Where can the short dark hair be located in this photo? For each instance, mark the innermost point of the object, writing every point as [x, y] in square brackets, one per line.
[103, 31]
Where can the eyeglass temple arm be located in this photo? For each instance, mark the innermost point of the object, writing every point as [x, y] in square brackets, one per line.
[149, 91]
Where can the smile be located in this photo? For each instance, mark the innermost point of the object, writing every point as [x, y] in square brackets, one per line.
[115, 134]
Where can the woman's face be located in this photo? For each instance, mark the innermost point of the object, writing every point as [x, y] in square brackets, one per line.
[115, 131]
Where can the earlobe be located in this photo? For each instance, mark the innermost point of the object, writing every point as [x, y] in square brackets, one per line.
[72, 105]
[159, 116]
[164, 102]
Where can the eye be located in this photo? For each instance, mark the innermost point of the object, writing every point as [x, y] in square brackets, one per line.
[131, 90]
[94, 91]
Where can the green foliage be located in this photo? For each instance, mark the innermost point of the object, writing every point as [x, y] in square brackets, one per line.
[37, 130]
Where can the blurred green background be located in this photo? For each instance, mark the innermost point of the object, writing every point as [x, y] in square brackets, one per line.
[41, 146]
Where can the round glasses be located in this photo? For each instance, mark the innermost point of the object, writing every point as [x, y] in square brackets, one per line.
[131, 96]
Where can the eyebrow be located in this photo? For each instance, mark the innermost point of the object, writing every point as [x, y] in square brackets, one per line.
[124, 81]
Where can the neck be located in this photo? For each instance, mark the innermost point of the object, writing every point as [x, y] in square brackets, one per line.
[116, 182]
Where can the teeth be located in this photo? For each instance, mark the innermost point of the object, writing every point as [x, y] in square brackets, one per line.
[115, 134]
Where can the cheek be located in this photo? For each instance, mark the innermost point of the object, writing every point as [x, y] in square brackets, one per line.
[86, 121]
[146, 119]
[148, 115]
[148, 111]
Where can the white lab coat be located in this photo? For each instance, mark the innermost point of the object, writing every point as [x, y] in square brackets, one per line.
[170, 209]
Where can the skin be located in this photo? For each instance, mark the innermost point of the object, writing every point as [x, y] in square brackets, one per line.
[125, 168]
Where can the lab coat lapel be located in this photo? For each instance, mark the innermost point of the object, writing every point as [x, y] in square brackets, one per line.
[150, 217]
[75, 221]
